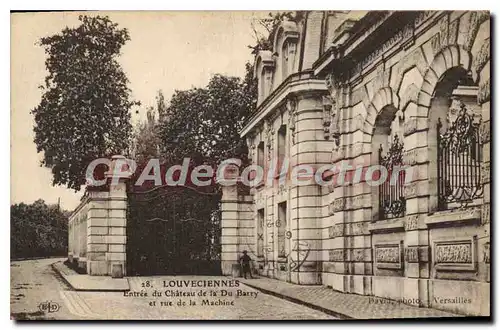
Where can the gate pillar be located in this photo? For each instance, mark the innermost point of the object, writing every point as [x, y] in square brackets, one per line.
[106, 224]
[236, 221]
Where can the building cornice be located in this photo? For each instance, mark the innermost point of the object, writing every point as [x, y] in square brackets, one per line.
[348, 36]
[296, 84]
[362, 38]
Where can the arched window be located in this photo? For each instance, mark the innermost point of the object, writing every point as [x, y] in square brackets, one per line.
[457, 118]
[281, 145]
[263, 70]
[389, 140]
[285, 46]
[284, 61]
[459, 158]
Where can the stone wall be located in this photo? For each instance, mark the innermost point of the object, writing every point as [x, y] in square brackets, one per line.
[77, 234]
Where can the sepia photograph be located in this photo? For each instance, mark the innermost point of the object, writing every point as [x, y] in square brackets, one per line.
[250, 165]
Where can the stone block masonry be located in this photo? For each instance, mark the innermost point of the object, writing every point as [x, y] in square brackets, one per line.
[97, 231]
[422, 243]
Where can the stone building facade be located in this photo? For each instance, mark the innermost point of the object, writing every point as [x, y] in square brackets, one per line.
[373, 88]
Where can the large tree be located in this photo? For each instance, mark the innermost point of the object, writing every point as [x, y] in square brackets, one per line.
[204, 123]
[85, 108]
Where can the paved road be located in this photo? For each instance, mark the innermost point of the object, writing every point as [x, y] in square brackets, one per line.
[34, 281]
[31, 283]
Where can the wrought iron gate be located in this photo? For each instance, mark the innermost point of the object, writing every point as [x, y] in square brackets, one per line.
[391, 194]
[459, 161]
[166, 237]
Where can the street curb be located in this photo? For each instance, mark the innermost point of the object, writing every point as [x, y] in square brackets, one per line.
[61, 276]
[64, 278]
[301, 302]
[35, 258]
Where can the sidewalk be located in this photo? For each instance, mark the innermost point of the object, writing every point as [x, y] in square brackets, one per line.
[342, 305]
[82, 282]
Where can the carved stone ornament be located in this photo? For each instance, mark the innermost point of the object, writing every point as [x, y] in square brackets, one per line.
[251, 148]
[282, 188]
[336, 230]
[337, 205]
[269, 138]
[358, 255]
[485, 214]
[356, 228]
[484, 92]
[337, 255]
[455, 255]
[411, 222]
[331, 107]
[327, 115]
[482, 57]
[486, 253]
[422, 16]
[291, 107]
[484, 132]
[389, 255]
[476, 18]
[411, 254]
[332, 84]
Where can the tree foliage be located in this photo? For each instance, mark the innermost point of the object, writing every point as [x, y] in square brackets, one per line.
[85, 108]
[38, 230]
[204, 123]
[146, 143]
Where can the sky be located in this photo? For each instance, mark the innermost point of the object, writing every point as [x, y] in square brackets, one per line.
[168, 51]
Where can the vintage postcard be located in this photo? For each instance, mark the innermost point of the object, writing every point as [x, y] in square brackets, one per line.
[250, 165]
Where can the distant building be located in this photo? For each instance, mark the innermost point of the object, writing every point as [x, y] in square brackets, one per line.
[373, 88]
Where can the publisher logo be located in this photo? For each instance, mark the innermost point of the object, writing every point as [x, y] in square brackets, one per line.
[48, 307]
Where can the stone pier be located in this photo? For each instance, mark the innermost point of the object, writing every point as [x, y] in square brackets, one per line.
[97, 228]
